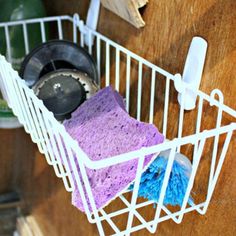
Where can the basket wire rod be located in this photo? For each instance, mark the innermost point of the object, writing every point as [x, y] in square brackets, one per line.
[125, 210]
[127, 96]
[140, 218]
[11, 94]
[9, 54]
[217, 172]
[43, 34]
[36, 20]
[65, 162]
[53, 149]
[198, 124]
[117, 75]
[98, 42]
[35, 122]
[21, 110]
[23, 93]
[163, 218]
[51, 145]
[26, 41]
[90, 42]
[68, 162]
[181, 117]
[166, 106]
[17, 105]
[60, 30]
[91, 198]
[163, 188]
[76, 177]
[17, 108]
[152, 96]
[168, 212]
[135, 193]
[139, 98]
[191, 179]
[174, 216]
[40, 139]
[81, 27]
[44, 139]
[215, 146]
[107, 64]
[25, 108]
[75, 31]
[51, 161]
[108, 219]
[44, 136]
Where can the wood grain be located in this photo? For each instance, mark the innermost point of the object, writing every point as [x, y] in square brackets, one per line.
[15, 144]
[6, 160]
[170, 26]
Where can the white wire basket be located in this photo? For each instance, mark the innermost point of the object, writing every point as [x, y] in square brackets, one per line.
[141, 77]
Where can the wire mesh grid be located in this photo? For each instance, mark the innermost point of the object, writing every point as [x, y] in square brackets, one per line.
[141, 78]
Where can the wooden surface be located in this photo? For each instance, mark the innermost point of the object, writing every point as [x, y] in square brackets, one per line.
[6, 159]
[170, 26]
[15, 144]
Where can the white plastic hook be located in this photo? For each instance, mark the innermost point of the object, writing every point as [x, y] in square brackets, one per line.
[92, 19]
[193, 71]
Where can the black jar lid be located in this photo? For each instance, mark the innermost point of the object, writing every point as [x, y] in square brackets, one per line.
[60, 93]
[55, 55]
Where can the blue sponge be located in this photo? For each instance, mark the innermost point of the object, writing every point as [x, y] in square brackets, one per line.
[152, 179]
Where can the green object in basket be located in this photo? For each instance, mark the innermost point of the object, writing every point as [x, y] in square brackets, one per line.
[7, 118]
[14, 10]
[5, 111]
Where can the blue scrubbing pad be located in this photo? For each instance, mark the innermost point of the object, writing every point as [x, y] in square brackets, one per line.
[152, 179]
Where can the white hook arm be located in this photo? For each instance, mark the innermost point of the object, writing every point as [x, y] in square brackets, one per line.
[92, 18]
[193, 70]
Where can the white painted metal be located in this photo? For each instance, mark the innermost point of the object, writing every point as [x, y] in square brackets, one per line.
[152, 97]
[117, 76]
[65, 155]
[128, 63]
[139, 98]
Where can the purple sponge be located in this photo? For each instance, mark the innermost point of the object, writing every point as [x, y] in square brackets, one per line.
[104, 129]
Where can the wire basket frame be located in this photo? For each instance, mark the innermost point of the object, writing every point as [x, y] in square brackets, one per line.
[68, 159]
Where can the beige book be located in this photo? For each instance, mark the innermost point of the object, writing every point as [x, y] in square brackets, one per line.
[127, 9]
